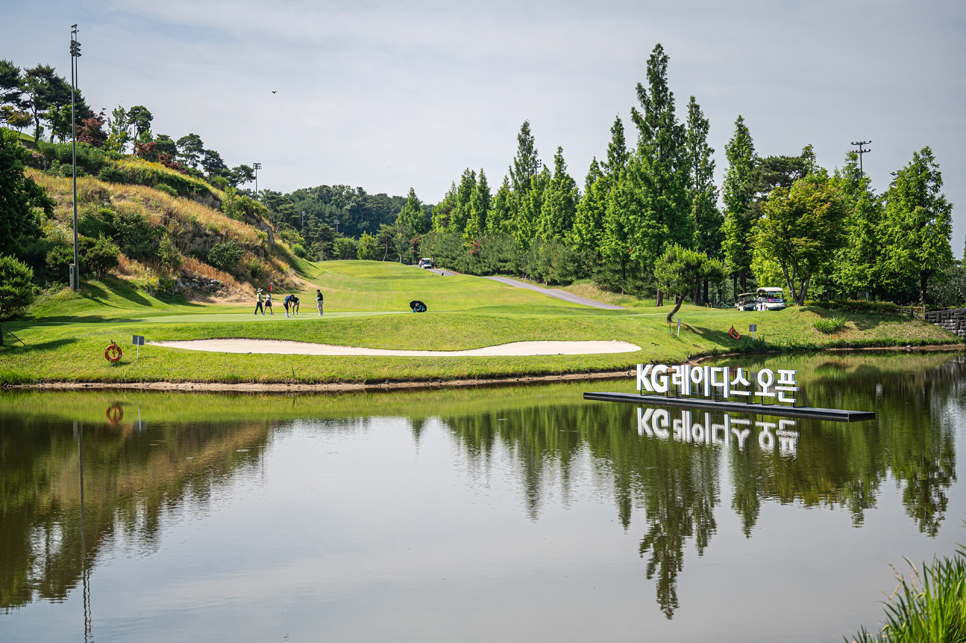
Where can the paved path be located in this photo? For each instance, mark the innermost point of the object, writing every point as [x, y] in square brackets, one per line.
[441, 272]
[558, 294]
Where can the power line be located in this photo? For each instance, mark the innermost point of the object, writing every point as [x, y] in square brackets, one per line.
[861, 151]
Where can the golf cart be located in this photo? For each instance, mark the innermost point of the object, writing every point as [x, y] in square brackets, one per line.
[427, 263]
[745, 301]
[770, 299]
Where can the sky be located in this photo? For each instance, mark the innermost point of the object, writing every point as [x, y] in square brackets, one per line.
[388, 96]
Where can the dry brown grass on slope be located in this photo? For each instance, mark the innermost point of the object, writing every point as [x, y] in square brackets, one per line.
[159, 207]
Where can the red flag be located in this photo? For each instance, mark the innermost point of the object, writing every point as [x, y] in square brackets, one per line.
[269, 287]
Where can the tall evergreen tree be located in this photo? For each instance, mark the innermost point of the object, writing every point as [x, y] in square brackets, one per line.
[460, 216]
[588, 228]
[443, 211]
[740, 152]
[499, 219]
[412, 215]
[854, 269]
[526, 164]
[701, 189]
[617, 149]
[917, 227]
[661, 213]
[479, 207]
[528, 208]
[559, 203]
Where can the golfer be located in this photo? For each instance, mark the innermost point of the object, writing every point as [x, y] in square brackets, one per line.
[259, 306]
[268, 303]
[318, 301]
[295, 305]
[288, 302]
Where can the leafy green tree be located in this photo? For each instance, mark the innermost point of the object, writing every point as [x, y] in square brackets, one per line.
[461, 214]
[855, 264]
[140, 118]
[526, 164]
[678, 271]
[412, 214]
[98, 256]
[166, 145]
[617, 154]
[19, 196]
[135, 234]
[500, 217]
[802, 228]
[559, 205]
[366, 250]
[191, 149]
[16, 289]
[701, 189]
[529, 207]
[659, 213]
[589, 216]
[225, 256]
[740, 152]
[241, 175]
[118, 130]
[213, 165]
[344, 249]
[479, 207]
[917, 227]
[16, 118]
[442, 213]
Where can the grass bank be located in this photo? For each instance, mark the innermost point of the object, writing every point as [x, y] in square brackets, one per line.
[367, 306]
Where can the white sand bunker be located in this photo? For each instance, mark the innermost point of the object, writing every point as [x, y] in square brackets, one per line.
[274, 347]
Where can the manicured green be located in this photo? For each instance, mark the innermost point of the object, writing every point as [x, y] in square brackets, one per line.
[367, 305]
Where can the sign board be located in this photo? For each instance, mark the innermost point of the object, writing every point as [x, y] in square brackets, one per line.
[139, 340]
[725, 381]
[752, 328]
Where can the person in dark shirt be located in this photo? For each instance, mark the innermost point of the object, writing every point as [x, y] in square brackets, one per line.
[318, 300]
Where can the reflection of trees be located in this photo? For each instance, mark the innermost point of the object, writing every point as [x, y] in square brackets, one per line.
[130, 481]
[675, 484]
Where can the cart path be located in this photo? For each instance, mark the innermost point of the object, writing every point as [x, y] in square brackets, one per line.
[514, 349]
[557, 294]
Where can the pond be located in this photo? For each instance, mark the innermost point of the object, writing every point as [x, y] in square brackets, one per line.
[510, 514]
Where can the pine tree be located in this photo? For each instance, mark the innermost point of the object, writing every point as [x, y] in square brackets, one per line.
[527, 163]
[917, 226]
[559, 203]
[411, 215]
[740, 152]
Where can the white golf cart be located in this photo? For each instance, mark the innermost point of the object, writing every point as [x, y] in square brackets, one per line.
[770, 299]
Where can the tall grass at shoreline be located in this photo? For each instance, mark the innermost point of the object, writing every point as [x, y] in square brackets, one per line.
[926, 607]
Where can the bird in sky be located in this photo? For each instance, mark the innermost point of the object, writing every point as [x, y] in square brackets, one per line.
[274, 92]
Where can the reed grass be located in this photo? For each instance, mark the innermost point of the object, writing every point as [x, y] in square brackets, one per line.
[829, 325]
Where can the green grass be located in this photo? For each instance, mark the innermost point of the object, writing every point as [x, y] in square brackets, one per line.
[367, 304]
[927, 607]
[829, 325]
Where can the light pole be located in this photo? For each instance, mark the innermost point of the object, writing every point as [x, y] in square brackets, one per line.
[337, 226]
[74, 55]
[860, 152]
[303, 220]
[257, 167]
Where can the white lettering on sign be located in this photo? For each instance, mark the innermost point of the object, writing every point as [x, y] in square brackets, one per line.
[720, 381]
[657, 423]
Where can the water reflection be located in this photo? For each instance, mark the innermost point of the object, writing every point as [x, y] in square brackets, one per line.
[670, 471]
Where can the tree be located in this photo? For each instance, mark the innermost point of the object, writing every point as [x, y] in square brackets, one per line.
[679, 269]
[241, 175]
[366, 249]
[659, 212]
[460, 215]
[479, 207]
[527, 163]
[10, 90]
[213, 165]
[98, 256]
[18, 118]
[500, 217]
[91, 130]
[855, 265]
[740, 152]
[19, 195]
[917, 227]
[802, 228]
[701, 189]
[44, 90]
[589, 216]
[118, 130]
[559, 205]
[617, 149]
[412, 216]
[528, 208]
[16, 289]
[140, 119]
[167, 147]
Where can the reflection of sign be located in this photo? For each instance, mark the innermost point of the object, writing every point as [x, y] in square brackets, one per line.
[714, 380]
[658, 423]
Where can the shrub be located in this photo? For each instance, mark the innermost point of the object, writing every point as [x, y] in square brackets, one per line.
[344, 248]
[829, 325]
[299, 251]
[96, 222]
[366, 249]
[58, 261]
[98, 255]
[225, 255]
[110, 174]
[16, 289]
[857, 306]
[167, 255]
[135, 234]
[167, 189]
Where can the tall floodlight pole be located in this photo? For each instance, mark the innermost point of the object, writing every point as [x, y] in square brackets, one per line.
[74, 55]
[257, 167]
[337, 226]
[861, 151]
[303, 219]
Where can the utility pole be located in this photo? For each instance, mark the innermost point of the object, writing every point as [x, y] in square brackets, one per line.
[257, 167]
[74, 55]
[860, 152]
